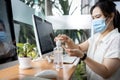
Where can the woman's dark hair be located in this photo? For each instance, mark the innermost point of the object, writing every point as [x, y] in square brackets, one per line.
[108, 7]
[2, 23]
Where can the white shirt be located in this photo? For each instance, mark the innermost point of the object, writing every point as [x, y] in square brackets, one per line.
[108, 47]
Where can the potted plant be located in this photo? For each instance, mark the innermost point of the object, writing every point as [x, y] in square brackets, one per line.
[26, 52]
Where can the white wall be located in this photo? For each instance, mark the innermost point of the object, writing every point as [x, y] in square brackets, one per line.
[118, 5]
[70, 22]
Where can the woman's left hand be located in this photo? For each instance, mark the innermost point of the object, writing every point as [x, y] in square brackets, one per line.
[74, 52]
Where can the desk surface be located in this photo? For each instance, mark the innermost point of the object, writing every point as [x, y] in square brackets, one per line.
[14, 73]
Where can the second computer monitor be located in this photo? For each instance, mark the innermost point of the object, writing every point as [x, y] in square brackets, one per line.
[44, 35]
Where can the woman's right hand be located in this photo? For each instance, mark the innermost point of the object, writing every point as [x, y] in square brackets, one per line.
[66, 40]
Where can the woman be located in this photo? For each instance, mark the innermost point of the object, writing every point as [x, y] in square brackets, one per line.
[103, 49]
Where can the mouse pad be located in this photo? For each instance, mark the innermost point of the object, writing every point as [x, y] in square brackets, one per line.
[34, 78]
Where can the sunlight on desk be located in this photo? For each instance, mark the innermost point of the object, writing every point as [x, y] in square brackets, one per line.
[14, 73]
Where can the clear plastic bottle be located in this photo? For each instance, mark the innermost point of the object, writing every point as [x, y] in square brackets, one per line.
[58, 55]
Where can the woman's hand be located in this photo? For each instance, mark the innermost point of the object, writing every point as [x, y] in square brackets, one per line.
[64, 38]
[74, 52]
[67, 41]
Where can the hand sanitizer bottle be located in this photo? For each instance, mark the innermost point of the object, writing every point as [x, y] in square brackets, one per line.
[58, 55]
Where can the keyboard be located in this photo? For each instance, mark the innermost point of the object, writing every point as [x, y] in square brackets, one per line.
[69, 59]
[66, 59]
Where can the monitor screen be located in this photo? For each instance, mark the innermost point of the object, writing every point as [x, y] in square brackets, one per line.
[44, 35]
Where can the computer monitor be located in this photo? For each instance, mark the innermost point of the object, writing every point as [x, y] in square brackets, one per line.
[44, 35]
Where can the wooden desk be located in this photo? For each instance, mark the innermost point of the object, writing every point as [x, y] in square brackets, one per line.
[14, 73]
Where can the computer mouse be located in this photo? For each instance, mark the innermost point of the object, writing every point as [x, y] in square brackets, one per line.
[50, 74]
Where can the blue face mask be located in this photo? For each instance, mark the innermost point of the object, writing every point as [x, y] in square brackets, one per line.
[99, 25]
[3, 36]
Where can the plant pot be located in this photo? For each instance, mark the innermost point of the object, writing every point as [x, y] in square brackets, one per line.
[24, 62]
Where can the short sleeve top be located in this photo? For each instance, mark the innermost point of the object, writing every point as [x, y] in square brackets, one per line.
[108, 47]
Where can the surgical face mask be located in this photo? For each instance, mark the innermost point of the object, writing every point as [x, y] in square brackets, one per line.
[3, 36]
[99, 25]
